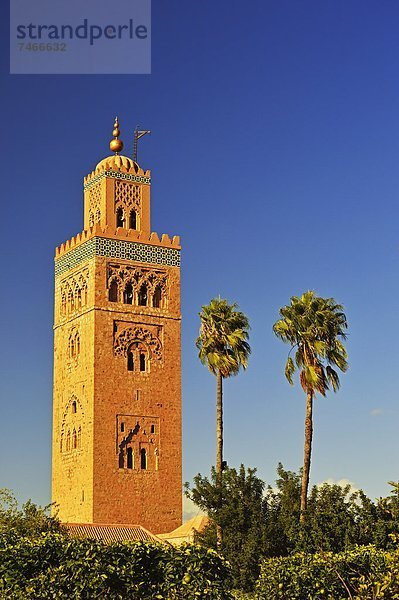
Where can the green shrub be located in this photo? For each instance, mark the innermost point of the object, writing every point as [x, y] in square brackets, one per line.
[53, 566]
[361, 574]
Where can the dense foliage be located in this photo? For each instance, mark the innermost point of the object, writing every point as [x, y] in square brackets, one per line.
[30, 520]
[238, 507]
[52, 566]
[264, 547]
[363, 573]
[258, 525]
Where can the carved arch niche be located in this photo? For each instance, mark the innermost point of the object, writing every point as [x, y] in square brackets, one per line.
[72, 427]
[139, 345]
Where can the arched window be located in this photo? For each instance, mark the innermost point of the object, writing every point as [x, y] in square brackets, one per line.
[71, 301]
[157, 297]
[133, 220]
[73, 407]
[77, 344]
[79, 298]
[72, 347]
[63, 304]
[84, 294]
[79, 438]
[113, 291]
[129, 454]
[74, 440]
[121, 459]
[142, 361]
[120, 218]
[128, 294]
[142, 296]
[143, 458]
[130, 361]
[68, 441]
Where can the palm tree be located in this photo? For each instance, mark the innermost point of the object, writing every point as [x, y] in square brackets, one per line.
[314, 327]
[223, 348]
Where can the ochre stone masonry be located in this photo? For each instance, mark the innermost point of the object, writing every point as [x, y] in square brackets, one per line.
[117, 368]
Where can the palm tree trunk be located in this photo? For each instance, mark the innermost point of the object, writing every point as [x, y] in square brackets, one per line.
[219, 442]
[219, 424]
[306, 455]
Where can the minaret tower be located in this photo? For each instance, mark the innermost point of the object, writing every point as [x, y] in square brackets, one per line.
[117, 366]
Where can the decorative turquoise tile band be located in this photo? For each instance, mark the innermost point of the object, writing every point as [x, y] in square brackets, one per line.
[99, 246]
[117, 175]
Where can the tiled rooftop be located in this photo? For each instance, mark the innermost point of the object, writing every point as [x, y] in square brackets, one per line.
[111, 533]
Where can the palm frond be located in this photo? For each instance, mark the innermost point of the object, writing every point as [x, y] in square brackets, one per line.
[223, 335]
[290, 370]
[316, 326]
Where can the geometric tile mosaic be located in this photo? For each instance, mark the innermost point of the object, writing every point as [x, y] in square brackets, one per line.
[99, 246]
[117, 175]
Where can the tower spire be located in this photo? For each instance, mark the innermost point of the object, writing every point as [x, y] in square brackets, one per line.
[116, 144]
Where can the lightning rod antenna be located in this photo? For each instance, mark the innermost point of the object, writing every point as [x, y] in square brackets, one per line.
[138, 133]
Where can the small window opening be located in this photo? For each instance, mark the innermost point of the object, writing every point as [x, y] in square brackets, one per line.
[133, 220]
[143, 458]
[130, 361]
[122, 427]
[63, 304]
[130, 458]
[121, 460]
[68, 441]
[72, 347]
[74, 407]
[84, 295]
[142, 362]
[157, 297]
[113, 292]
[74, 440]
[79, 437]
[79, 298]
[128, 294]
[83, 495]
[120, 218]
[77, 344]
[142, 296]
[152, 428]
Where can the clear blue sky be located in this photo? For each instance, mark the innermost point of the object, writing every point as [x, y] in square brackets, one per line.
[274, 154]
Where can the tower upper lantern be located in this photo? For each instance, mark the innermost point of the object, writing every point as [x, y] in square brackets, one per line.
[117, 192]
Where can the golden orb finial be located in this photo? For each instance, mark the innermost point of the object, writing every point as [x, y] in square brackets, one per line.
[116, 144]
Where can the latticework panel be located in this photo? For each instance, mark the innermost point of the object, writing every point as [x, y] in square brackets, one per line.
[94, 204]
[128, 195]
